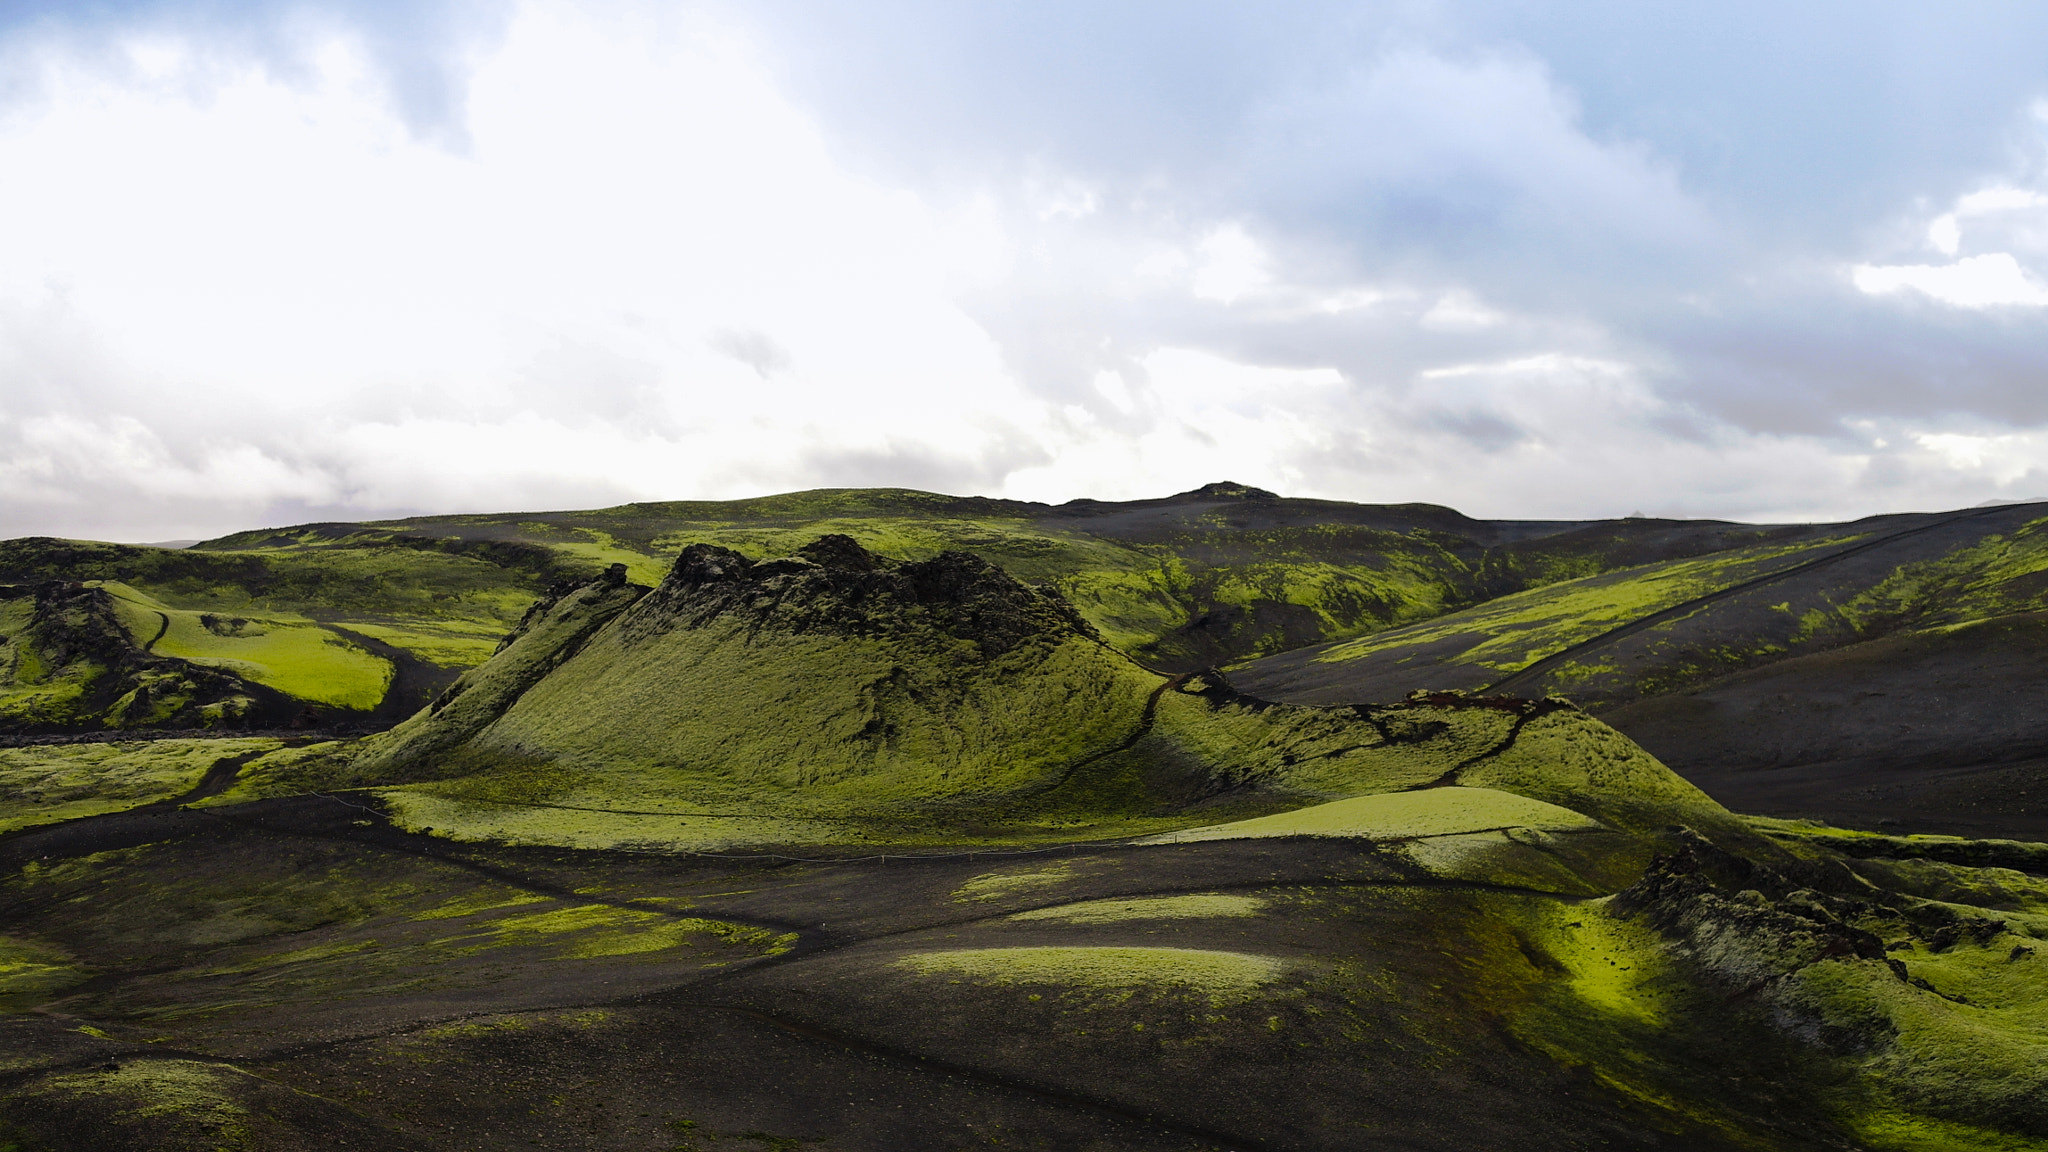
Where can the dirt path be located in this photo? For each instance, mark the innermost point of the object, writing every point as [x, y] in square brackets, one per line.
[414, 681]
[163, 627]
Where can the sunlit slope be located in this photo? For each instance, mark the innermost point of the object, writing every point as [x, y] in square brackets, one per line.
[353, 632]
[294, 656]
[1664, 627]
[68, 663]
[1887, 674]
[103, 655]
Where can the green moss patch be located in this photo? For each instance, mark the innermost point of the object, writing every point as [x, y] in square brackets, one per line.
[173, 1094]
[458, 818]
[293, 655]
[1200, 906]
[1213, 972]
[1525, 858]
[32, 972]
[1014, 881]
[1514, 631]
[1398, 815]
[1892, 1131]
[1569, 758]
[1945, 1060]
[586, 931]
[450, 644]
[1613, 966]
[44, 784]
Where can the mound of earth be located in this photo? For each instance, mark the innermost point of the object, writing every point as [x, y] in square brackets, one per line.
[827, 680]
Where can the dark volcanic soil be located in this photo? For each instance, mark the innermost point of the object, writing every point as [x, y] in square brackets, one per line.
[338, 984]
[1926, 732]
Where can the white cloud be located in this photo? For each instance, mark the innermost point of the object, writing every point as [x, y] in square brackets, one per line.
[1945, 234]
[1992, 280]
[229, 296]
[1459, 311]
[1232, 265]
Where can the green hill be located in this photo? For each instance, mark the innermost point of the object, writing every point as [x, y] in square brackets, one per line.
[1879, 671]
[1206, 577]
[836, 696]
[813, 845]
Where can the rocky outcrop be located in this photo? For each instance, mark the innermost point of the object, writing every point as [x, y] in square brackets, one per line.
[835, 586]
[1751, 927]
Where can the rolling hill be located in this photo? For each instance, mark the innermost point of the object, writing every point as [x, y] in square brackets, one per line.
[1887, 671]
[824, 831]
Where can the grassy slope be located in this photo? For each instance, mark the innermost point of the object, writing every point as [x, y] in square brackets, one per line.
[1514, 631]
[293, 655]
[613, 720]
[1204, 578]
[54, 783]
[449, 607]
[1501, 830]
[1180, 583]
[1945, 572]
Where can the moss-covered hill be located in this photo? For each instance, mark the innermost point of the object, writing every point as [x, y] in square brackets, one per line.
[836, 696]
[824, 848]
[328, 611]
[1780, 667]
[1885, 670]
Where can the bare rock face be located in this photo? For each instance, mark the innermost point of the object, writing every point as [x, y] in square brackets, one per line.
[833, 585]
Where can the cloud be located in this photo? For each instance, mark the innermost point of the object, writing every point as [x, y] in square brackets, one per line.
[1992, 280]
[267, 263]
[757, 350]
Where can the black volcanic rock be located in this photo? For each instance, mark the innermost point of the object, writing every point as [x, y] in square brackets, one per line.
[833, 585]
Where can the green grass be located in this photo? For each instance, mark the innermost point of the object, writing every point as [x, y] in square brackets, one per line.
[1398, 815]
[588, 931]
[1945, 1062]
[294, 656]
[32, 972]
[450, 644]
[816, 725]
[1218, 973]
[176, 1097]
[52, 783]
[1514, 631]
[1569, 758]
[1014, 881]
[1199, 906]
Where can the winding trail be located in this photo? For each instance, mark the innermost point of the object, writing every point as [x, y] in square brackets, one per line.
[161, 629]
[1685, 608]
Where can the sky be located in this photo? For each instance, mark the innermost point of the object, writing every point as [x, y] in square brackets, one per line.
[266, 262]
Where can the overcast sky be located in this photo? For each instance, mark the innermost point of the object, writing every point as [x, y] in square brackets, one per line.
[264, 263]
